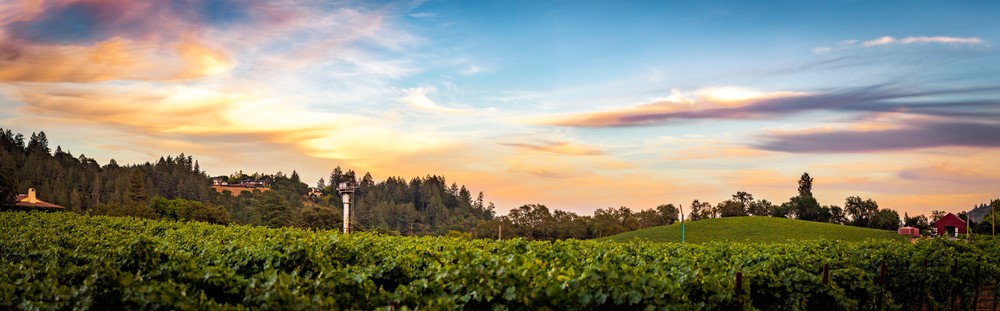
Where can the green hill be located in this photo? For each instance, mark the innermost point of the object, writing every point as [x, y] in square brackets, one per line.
[754, 229]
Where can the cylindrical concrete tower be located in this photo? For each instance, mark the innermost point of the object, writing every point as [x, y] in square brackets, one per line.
[346, 190]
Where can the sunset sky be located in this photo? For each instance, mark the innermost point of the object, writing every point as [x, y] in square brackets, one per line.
[577, 105]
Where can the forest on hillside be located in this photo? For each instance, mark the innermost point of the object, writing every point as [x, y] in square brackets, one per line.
[176, 188]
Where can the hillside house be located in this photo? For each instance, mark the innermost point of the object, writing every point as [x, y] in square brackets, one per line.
[951, 226]
[31, 200]
[252, 183]
[219, 182]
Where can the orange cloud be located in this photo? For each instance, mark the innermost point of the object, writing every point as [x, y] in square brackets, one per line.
[716, 102]
[112, 59]
[199, 60]
[566, 148]
[215, 116]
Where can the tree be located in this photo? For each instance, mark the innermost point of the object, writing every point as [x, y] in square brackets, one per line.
[936, 215]
[761, 208]
[784, 211]
[335, 176]
[730, 208]
[137, 189]
[166, 208]
[806, 208]
[272, 210]
[531, 221]
[570, 226]
[668, 213]
[885, 219]
[805, 185]
[837, 215]
[8, 187]
[38, 145]
[700, 210]
[744, 199]
[198, 211]
[919, 222]
[992, 217]
[861, 212]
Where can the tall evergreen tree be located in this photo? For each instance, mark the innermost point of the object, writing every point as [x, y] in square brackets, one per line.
[39, 144]
[137, 189]
[805, 185]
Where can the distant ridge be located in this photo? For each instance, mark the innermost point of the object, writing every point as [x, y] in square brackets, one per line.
[976, 214]
[754, 229]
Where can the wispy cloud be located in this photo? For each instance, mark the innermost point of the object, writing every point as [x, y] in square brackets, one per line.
[212, 116]
[758, 105]
[917, 135]
[559, 147]
[889, 40]
[416, 98]
[701, 149]
[472, 70]
[423, 15]
[113, 59]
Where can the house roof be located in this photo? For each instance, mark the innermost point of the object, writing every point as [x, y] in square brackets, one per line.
[951, 219]
[22, 200]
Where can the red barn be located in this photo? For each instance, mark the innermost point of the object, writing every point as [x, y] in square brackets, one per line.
[951, 226]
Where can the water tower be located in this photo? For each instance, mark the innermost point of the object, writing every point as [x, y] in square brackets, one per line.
[346, 190]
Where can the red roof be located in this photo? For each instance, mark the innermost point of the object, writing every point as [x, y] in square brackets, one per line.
[38, 203]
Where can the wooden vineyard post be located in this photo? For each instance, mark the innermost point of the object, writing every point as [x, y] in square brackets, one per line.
[826, 274]
[740, 300]
[975, 283]
[951, 290]
[881, 283]
[738, 287]
[923, 286]
[881, 273]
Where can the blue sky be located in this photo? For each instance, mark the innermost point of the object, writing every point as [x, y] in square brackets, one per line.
[576, 104]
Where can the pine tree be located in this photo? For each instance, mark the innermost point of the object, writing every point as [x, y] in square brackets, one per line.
[95, 193]
[137, 189]
[39, 144]
[805, 185]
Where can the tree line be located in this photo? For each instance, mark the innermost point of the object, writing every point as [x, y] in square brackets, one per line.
[176, 188]
[536, 221]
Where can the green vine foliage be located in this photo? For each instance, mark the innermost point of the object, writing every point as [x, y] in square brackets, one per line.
[69, 261]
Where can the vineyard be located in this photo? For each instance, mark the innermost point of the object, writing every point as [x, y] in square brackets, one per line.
[64, 260]
[755, 229]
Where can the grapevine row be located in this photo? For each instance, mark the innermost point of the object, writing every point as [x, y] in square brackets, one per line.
[64, 260]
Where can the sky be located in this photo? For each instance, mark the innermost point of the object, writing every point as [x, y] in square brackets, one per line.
[577, 105]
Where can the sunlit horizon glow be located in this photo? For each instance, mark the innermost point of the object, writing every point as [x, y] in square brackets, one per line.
[575, 105]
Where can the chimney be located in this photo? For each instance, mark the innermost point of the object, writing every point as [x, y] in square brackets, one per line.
[31, 196]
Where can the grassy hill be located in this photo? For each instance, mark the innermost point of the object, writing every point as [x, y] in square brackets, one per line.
[754, 229]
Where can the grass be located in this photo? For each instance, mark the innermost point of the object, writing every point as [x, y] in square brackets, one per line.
[755, 229]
